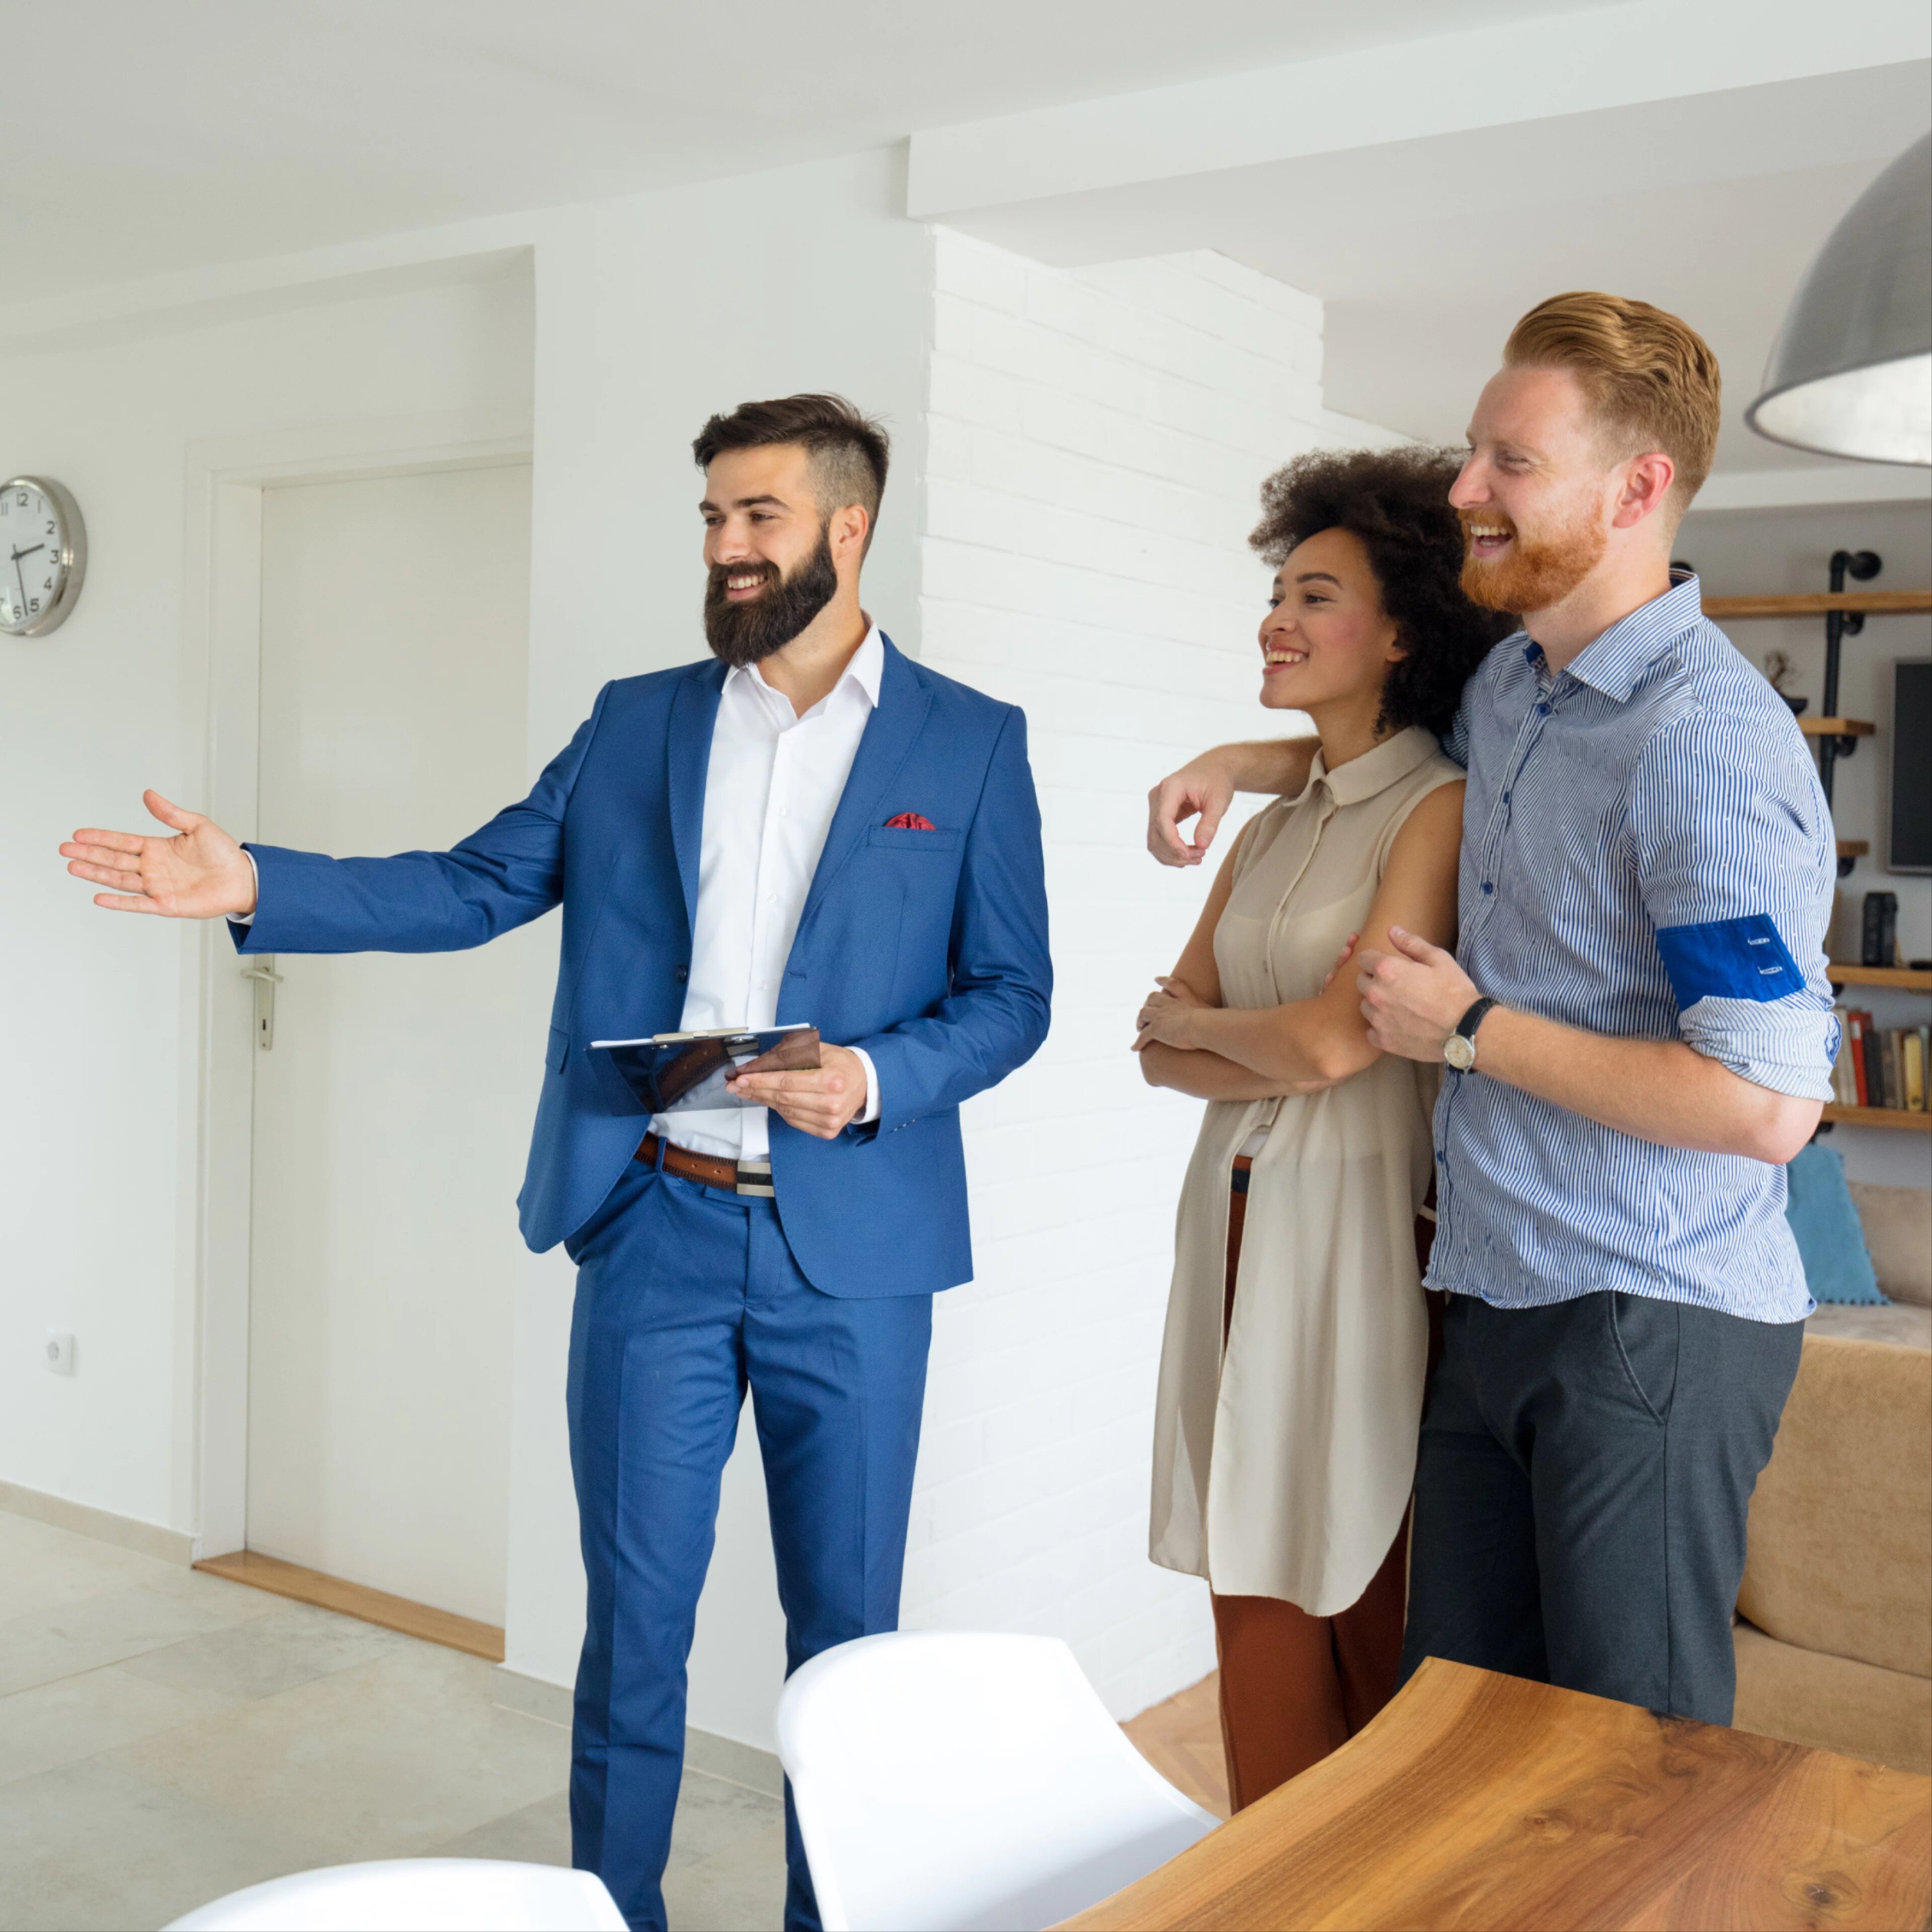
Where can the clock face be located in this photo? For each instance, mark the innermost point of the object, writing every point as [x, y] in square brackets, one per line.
[42, 550]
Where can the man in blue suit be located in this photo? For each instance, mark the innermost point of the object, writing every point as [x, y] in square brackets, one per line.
[810, 828]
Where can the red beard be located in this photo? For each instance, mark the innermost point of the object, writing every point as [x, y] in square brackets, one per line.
[1532, 574]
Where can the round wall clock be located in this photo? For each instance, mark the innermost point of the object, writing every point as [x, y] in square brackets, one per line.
[43, 556]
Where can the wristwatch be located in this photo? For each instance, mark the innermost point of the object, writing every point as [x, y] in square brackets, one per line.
[1459, 1048]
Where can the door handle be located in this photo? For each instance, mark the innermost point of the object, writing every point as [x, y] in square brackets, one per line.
[266, 979]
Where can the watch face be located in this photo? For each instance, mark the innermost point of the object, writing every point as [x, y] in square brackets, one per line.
[1460, 1053]
[39, 553]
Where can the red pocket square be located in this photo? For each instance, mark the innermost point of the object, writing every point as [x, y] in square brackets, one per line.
[910, 821]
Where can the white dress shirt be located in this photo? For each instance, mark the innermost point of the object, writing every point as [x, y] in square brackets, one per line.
[774, 782]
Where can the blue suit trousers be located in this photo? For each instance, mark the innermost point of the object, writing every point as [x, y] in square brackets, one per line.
[687, 1296]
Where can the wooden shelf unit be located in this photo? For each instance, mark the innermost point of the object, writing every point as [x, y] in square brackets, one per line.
[1898, 979]
[1844, 613]
[1817, 603]
[1902, 978]
[1878, 1117]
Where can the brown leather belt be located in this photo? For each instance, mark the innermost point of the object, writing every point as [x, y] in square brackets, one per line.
[734, 1177]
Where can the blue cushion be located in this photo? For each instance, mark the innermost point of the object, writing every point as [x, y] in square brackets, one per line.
[1831, 1241]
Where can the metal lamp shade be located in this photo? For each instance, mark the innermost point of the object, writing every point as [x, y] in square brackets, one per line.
[1851, 372]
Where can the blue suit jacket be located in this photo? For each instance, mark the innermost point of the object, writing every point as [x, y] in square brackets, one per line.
[927, 948]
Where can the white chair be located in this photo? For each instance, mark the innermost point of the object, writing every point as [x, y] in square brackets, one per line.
[950, 1782]
[416, 1895]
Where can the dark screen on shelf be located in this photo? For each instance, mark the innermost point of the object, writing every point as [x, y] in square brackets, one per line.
[1911, 846]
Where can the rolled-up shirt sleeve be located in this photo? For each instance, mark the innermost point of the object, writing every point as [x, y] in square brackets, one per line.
[1737, 864]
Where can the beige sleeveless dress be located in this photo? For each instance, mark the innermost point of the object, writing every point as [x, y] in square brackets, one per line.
[1283, 1470]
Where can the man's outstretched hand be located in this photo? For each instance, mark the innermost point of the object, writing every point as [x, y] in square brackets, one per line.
[199, 873]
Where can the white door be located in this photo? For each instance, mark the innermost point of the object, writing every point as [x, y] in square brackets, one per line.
[392, 1108]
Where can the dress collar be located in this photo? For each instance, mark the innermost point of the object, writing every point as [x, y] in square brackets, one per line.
[1390, 762]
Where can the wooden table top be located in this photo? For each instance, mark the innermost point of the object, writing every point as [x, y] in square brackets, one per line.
[1482, 1802]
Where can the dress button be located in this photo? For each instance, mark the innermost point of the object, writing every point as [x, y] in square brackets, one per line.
[682, 975]
[1543, 710]
[1488, 886]
[1505, 798]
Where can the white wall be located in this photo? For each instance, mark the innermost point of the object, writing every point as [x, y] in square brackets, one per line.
[1097, 437]
[98, 1040]
[1738, 553]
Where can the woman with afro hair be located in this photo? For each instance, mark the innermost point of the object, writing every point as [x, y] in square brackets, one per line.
[1298, 1330]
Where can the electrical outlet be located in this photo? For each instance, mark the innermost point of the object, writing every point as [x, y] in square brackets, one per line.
[60, 1353]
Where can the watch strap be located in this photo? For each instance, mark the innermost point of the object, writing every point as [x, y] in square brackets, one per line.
[1467, 1025]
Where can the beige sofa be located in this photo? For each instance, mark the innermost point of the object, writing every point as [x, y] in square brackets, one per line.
[1834, 1631]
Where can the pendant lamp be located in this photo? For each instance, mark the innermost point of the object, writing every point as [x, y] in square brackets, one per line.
[1850, 373]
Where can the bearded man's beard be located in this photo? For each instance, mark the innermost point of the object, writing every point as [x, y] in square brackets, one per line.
[1531, 575]
[745, 634]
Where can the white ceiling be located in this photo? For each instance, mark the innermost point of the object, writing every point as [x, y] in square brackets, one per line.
[138, 137]
[1426, 251]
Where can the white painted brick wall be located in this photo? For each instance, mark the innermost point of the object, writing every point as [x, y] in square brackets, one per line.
[1097, 439]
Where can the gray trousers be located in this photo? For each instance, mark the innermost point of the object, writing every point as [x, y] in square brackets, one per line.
[1581, 1492]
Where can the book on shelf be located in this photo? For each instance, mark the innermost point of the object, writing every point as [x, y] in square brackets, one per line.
[1874, 1056]
[1883, 1067]
[1856, 1022]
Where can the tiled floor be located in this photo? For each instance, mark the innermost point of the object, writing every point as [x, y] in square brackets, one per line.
[166, 1737]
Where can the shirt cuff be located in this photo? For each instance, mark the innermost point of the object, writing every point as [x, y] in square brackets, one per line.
[1789, 1049]
[248, 918]
[870, 1110]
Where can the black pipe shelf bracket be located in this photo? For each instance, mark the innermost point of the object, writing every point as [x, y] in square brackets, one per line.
[1864, 566]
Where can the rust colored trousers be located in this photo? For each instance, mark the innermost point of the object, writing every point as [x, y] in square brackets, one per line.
[1294, 1686]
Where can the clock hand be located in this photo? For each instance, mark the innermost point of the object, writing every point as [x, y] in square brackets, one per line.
[23, 582]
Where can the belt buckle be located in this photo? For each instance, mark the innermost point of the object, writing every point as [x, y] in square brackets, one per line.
[755, 1178]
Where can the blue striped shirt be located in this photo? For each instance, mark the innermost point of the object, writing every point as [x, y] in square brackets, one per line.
[1647, 854]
